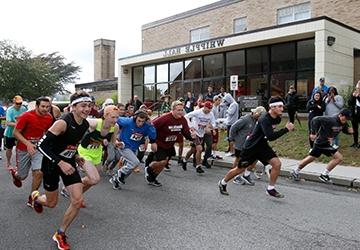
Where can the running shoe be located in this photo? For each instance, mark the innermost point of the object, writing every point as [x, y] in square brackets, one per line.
[36, 205]
[183, 164]
[222, 189]
[274, 193]
[206, 164]
[64, 193]
[324, 178]
[29, 202]
[167, 168]
[295, 176]
[17, 182]
[237, 180]
[121, 178]
[155, 183]
[149, 179]
[199, 170]
[218, 157]
[115, 183]
[60, 239]
[229, 154]
[247, 180]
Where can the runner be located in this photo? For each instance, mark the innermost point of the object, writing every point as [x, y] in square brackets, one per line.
[30, 127]
[323, 131]
[201, 122]
[101, 132]
[12, 115]
[133, 130]
[168, 128]
[257, 148]
[238, 133]
[59, 147]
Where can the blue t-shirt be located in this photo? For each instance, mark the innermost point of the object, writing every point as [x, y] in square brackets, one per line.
[11, 116]
[132, 135]
[2, 114]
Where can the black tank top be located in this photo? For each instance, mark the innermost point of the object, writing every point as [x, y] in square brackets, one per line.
[95, 138]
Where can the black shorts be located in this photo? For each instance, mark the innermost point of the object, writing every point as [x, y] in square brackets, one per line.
[2, 130]
[325, 149]
[262, 152]
[237, 153]
[52, 173]
[164, 153]
[9, 142]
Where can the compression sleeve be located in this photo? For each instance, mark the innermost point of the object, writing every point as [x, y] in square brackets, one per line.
[45, 147]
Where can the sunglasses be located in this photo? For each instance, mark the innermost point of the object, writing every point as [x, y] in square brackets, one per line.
[18, 103]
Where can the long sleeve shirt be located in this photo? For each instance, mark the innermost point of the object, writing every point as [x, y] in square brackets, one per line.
[198, 120]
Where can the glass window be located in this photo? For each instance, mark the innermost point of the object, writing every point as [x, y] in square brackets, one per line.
[280, 83]
[215, 84]
[213, 65]
[176, 69]
[305, 83]
[149, 94]
[138, 75]
[139, 91]
[196, 89]
[283, 57]
[149, 74]
[257, 60]
[306, 54]
[294, 13]
[240, 25]
[187, 88]
[193, 68]
[162, 72]
[161, 89]
[176, 89]
[235, 63]
[258, 85]
[199, 34]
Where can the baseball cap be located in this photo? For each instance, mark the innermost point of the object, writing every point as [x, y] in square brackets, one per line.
[109, 101]
[17, 99]
[346, 113]
[208, 105]
[322, 79]
[259, 110]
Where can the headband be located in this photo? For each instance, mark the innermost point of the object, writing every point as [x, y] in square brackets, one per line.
[276, 104]
[81, 99]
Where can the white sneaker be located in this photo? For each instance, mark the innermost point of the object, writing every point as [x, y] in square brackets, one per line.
[335, 146]
[229, 154]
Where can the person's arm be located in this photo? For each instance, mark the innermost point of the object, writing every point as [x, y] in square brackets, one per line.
[270, 134]
[339, 101]
[9, 119]
[235, 128]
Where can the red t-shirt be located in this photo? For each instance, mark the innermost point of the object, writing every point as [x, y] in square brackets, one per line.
[168, 128]
[32, 126]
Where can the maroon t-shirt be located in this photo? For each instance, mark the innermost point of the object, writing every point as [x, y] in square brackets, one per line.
[168, 128]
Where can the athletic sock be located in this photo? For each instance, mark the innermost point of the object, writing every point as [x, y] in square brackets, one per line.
[246, 173]
[297, 170]
[223, 182]
[326, 172]
[59, 231]
[270, 187]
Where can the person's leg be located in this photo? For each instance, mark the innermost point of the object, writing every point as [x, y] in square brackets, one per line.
[275, 170]
[92, 175]
[291, 113]
[131, 161]
[198, 154]
[36, 180]
[207, 141]
[9, 144]
[355, 126]
[337, 159]
[180, 150]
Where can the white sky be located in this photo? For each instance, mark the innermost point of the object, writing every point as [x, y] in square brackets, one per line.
[70, 26]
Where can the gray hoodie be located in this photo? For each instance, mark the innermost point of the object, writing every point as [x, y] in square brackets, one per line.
[241, 129]
[232, 113]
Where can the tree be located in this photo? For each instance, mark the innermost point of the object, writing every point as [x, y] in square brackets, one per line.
[30, 76]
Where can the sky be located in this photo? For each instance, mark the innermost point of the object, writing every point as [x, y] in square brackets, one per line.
[71, 26]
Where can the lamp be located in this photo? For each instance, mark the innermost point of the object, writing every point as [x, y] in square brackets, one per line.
[330, 40]
[125, 71]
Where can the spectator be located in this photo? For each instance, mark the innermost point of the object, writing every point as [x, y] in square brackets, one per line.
[322, 88]
[137, 103]
[222, 92]
[122, 110]
[316, 107]
[200, 102]
[231, 116]
[333, 104]
[2, 126]
[189, 102]
[210, 94]
[165, 106]
[291, 102]
[354, 104]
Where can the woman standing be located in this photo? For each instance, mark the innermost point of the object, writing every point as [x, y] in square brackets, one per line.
[315, 107]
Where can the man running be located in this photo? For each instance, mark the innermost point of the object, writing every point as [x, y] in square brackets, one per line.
[30, 127]
[133, 130]
[241, 129]
[323, 130]
[257, 148]
[201, 122]
[59, 147]
[168, 127]
[101, 132]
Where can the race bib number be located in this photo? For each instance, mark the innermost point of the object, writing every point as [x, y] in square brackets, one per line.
[93, 146]
[171, 138]
[136, 137]
[69, 152]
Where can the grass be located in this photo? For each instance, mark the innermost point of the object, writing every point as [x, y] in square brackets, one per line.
[294, 145]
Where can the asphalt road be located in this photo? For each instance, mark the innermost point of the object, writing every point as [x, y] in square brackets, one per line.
[188, 212]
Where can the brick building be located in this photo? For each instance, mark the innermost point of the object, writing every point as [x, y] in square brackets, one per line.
[269, 45]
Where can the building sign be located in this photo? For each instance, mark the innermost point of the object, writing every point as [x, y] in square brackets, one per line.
[195, 47]
[234, 82]
[249, 101]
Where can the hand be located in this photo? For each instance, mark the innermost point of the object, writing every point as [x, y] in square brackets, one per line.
[119, 144]
[66, 168]
[31, 148]
[312, 137]
[105, 142]
[207, 131]
[79, 160]
[290, 126]
[350, 130]
[214, 132]
[153, 147]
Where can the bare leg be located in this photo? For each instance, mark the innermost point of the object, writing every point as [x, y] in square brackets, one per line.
[308, 159]
[8, 157]
[275, 170]
[158, 166]
[36, 180]
[92, 176]
[337, 158]
[232, 173]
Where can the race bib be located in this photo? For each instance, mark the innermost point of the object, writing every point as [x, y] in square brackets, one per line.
[171, 138]
[136, 137]
[69, 152]
[93, 146]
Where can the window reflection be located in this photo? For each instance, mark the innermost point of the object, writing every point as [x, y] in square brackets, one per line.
[193, 68]
[162, 73]
[213, 65]
[149, 74]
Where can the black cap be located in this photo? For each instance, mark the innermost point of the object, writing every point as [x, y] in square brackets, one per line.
[322, 79]
[346, 113]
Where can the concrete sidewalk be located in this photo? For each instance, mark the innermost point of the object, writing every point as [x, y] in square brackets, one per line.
[341, 175]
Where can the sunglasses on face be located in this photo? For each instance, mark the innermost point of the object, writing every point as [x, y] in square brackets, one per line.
[18, 103]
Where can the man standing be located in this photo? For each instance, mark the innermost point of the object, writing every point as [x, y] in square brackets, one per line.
[257, 148]
[322, 88]
[323, 131]
[30, 127]
[201, 122]
[231, 116]
[59, 147]
[354, 104]
[12, 115]
[168, 127]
